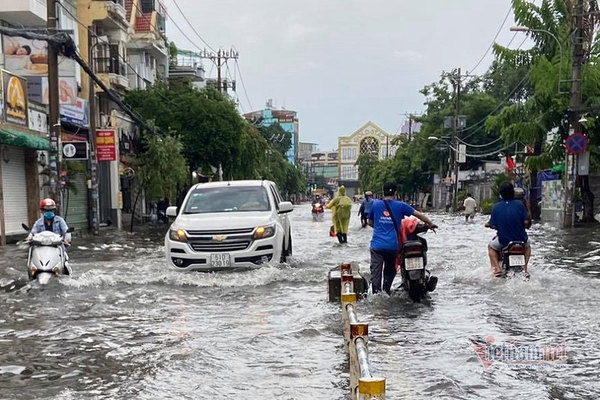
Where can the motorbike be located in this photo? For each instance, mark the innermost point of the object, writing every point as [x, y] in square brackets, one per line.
[317, 212]
[512, 259]
[47, 257]
[416, 279]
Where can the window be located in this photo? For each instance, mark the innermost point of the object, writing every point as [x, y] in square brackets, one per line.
[369, 145]
[227, 199]
[349, 154]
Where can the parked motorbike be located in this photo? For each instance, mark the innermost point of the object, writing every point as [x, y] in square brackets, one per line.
[416, 279]
[512, 259]
[317, 212]
[47, 257]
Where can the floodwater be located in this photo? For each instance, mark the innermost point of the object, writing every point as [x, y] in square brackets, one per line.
[126, 327]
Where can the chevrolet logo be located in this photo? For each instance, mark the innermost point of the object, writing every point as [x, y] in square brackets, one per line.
[219, 238]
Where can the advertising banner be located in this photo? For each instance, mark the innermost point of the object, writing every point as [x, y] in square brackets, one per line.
[14, 99]
[106, 145]
[28, 57]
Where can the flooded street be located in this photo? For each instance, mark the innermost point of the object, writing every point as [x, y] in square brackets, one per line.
[127, 327]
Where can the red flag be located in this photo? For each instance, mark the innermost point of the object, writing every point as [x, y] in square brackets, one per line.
[510, 164]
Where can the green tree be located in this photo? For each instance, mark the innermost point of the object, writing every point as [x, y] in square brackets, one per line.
[160, 167]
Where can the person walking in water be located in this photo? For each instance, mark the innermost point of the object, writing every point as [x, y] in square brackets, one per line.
[470, 206]
[341, 217]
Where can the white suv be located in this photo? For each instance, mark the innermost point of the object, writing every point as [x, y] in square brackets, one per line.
[223, 225]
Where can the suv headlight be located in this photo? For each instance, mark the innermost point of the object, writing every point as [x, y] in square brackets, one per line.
[177, 235]
[263, 232]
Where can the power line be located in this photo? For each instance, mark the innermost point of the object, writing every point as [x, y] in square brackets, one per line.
[191, 26]
[491, 44]
[243, 85]
[484, 119]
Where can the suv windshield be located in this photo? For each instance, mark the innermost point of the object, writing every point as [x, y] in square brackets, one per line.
[227, 199]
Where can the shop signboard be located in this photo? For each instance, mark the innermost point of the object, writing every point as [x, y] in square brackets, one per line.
[106, 145]
[14, 89]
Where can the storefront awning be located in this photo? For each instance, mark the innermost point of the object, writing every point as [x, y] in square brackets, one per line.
[13, 137]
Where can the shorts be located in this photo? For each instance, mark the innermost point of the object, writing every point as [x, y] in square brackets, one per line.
[496, 245]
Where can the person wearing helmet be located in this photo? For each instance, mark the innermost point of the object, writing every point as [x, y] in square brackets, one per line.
[510, 219]
[365, 208]
[51, 222]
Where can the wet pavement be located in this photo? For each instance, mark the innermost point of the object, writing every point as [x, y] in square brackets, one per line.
[127, 327]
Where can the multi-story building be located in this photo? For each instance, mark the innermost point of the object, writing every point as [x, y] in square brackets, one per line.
[287, 119]
[147, 47]
[21, 147]
[325, 167]
[368, 139]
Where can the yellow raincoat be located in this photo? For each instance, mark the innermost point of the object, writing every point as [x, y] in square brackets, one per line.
[342, 206]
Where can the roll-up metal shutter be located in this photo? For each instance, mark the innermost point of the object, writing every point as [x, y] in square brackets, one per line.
[76, 201]
[14, 189]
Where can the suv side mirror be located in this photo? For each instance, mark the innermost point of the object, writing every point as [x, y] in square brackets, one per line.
[171, 211]
[285, 207]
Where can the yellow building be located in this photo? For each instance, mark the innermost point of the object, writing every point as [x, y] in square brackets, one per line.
[368, 139]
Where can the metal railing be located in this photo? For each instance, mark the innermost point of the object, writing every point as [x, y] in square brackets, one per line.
[363, 385]
[110, 65]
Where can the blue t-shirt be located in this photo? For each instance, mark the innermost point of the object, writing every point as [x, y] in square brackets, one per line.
[509, 218]
[385, 236]
[366, 205]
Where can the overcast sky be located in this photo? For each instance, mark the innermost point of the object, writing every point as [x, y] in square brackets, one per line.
[341, 63]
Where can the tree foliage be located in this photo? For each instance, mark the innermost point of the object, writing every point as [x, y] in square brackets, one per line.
[212, 133]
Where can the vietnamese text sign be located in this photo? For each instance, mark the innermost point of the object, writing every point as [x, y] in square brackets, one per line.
[105, 145]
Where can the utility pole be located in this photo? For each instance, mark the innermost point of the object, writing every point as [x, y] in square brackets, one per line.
[221, 59]
[94, 200]
[456, 81]
[575, 110]
[54, 111]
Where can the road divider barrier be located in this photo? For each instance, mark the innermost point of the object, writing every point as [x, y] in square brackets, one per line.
[363, 385]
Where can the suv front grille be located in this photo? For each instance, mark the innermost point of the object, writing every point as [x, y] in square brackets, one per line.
[223, 240]
[224, 232]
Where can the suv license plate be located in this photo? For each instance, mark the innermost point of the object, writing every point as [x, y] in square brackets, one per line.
[516, 261]
[220, 260]
[413, 263]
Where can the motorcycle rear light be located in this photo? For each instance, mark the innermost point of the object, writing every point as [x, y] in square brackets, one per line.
[412, 251]
[33, 271]
[516, 250]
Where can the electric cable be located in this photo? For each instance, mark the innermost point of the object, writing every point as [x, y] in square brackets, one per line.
[243, 84]
[191, 26]
[491, 44]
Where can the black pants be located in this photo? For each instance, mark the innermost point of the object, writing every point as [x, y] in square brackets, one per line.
[383, 263]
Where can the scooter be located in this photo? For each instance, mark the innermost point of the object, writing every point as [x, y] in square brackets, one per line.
[416, 279]
[512, 260]
[47, 257]
[317, 212]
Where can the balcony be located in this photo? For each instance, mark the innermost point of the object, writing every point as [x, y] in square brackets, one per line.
[24, 12]
[112, 12]
[114, 71]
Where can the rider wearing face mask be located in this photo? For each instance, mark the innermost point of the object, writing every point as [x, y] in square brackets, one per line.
[50, 222]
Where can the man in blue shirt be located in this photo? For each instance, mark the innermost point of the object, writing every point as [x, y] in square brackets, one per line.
[509, 218]
[365, 208]
[385, 217]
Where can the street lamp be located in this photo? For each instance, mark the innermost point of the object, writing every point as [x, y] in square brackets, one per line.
[455, 162]
[560, 54]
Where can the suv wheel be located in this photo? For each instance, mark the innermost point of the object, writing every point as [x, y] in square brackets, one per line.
[289, 249]
[283, 257]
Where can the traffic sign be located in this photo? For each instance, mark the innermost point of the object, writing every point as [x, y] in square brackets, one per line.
[576, 143]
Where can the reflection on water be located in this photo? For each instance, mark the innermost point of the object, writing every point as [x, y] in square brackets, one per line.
[126, 327]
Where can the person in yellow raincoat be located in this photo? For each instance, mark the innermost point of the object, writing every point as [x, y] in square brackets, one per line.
[342, 206]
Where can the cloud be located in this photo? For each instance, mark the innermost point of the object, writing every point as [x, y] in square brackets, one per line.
[411, 57]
